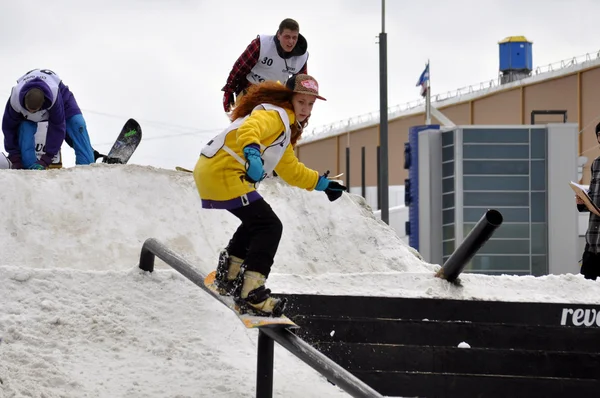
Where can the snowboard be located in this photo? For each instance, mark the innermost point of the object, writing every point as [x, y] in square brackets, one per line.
[250, 321]
[126, 143]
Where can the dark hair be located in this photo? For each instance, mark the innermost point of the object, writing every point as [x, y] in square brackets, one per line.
[269, 92]
[34, 99]
[290, 24]
[597, 128]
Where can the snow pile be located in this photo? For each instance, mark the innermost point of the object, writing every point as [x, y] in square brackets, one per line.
[79, 319]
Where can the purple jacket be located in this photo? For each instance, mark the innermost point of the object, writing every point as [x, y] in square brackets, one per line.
[64, 107]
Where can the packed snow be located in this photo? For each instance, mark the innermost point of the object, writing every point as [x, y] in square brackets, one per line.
[78, 318]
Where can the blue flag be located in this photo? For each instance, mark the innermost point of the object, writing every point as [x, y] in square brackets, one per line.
[423, 79]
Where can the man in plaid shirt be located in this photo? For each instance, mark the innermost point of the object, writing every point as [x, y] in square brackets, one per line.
[590, 265]
[268, 57]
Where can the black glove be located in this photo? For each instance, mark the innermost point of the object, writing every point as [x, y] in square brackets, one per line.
[334, 190]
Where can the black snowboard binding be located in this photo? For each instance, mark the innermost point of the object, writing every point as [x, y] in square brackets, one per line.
[224, 286]
[258, 301]
[227, 273]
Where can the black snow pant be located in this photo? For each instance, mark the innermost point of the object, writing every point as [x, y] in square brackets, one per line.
[257, 238]
[590, 265]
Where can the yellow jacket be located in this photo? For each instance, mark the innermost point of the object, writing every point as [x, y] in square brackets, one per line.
[220, 178]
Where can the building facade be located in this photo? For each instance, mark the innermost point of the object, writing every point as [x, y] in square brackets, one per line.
[571, 89]
[523, 172]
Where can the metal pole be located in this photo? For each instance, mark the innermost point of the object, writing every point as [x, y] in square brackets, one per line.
[264, 366]
[382, 16]
[379, 193]
[383, 121]
[363, 176]
[348, 167]
[428, 97]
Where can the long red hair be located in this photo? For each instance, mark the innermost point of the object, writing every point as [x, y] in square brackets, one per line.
[268, 92]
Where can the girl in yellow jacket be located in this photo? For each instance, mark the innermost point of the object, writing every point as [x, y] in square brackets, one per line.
[267, 122]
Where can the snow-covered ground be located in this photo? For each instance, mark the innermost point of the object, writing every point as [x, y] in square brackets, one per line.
[79, 319]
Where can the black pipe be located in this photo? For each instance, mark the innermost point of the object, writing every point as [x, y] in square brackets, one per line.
[483, 230]
[363, 183]
[348, 167]
[264, 366]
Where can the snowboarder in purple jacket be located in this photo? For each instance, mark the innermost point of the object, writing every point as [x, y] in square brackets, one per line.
[41, 96]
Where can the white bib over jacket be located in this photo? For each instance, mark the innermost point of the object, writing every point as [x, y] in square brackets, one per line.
[271, 155]
[271, 66]
[53, 82]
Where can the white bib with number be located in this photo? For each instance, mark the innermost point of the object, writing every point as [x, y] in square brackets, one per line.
[50, 78]
[271, 66]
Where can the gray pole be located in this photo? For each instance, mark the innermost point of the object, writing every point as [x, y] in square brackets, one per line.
[383, 121]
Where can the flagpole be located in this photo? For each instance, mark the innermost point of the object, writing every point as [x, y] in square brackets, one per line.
[428, 97]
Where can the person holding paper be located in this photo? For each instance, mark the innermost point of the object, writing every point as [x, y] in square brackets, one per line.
[590, 262]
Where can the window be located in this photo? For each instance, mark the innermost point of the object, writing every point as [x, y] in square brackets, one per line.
[496, 199]
[496, 151]
[504, 169]
[448, 153]
[448, 216]
[505, 263]
[538, 206]
[539, 265]
[447, 169]
[538, 143]
[539, 238]
[448, 232]
[538, 175]
[448, 247]
[500, 135]
[495, 167]
[505, 246]
[448, 138]
[447, 200]
[496, 183]
[448, 184]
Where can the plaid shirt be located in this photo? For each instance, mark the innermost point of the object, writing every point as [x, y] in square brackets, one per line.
[237, 81]
[592, 236]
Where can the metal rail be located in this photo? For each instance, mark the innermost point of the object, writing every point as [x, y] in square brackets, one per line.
[294, 344]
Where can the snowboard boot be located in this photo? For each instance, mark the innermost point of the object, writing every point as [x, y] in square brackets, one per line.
[252, 297]
[227, 273]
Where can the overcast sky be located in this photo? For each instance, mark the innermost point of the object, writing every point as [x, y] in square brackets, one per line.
[164, 62]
